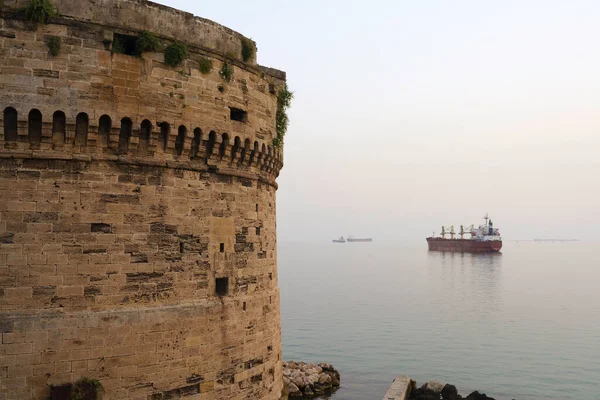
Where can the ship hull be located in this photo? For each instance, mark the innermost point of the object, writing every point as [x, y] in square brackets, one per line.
[464, 245]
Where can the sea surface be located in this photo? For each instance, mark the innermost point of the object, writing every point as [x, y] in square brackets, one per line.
[523, 324]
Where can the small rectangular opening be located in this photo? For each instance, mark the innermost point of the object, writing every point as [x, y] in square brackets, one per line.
[270, 276]
[257, 208]
[270, 299]
[181, 247]
[222, 247]
[124, 44]
[221, 286]
[237, 114]
[257, 231]
[244, 306]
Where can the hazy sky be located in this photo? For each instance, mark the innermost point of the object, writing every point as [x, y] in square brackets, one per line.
[412, 114]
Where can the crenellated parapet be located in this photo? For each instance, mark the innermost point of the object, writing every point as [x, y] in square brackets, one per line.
[153, 144]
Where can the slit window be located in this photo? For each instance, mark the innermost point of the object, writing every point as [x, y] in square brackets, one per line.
[221, 286]
[59, 127]
[180, 141]
[244, 306]
[165, 131]
[35, 126]
[125, 134]
[124, 44]
[104, 127]
[237, 114]
[257, 231]
[81, 129]
[222, 247]
[10, 125]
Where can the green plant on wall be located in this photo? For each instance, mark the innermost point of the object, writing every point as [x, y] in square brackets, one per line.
[205, 65]
[85, 388]
[40, 11]
[146, 42]
[226, 72]
[248, 49]
[175, 54]
[118, 46]
[284, 101]
[54, 44]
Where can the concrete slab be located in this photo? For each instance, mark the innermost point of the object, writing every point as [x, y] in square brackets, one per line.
[400, 389]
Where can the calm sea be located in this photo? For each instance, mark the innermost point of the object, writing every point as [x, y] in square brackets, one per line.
[524, 324]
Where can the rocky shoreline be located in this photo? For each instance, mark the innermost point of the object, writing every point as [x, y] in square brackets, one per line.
[434, 390]
[309, 380]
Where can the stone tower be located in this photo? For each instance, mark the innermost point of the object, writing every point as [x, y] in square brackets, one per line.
[137, 206]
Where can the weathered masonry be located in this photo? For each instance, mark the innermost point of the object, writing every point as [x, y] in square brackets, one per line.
[137, 207]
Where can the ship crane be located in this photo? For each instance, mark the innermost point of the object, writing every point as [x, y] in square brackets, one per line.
[449, 230]
[463, 232]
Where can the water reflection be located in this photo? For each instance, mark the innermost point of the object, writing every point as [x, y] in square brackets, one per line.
[470, 281]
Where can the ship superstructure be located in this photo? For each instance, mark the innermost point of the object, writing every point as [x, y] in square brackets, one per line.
[483, 239]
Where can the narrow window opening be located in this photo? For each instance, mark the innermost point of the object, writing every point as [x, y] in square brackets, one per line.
[196, 143]
[270, 299]
[257, 208]
[270, 276]
[34, 126]
[181, 250]
[145, 132]
[10, 125]
[125, 44]
[165, 131]
[104, 127]
[210, 145]
[237, 114]
[224, 145]
[222, 247]
[125, 135]
[237, 143]
[59, 127]
[82, 124]
[257, 231]
[244, 306]
[180, 141]
[221, 286]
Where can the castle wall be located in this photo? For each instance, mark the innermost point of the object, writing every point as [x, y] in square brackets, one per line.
[137, 218]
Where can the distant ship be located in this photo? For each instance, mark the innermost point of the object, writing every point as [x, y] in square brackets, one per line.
[484, 239]
[340, 240]
[352, 239]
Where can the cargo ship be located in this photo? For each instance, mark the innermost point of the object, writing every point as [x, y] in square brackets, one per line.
[352, 239]
[340, 240]
[484, 239]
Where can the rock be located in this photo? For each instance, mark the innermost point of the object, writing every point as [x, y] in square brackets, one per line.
[298, 381]
[324, 379]
[293, 390]
[449, 392]
[478, 396]
[434, 386]
[309, 380]
[308, 392]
